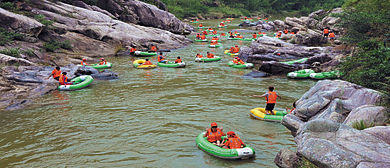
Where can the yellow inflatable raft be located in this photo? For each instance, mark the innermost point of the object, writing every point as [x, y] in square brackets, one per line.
[260, 114]
[138, 64]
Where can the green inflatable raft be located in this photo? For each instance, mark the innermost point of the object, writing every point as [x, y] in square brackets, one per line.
[326, 75]
[145, 53]
[214, 46]
[242, 39]
[78, 83]
[172, 64]
[241, 66]
[241, 153]
[295, 61]
[216, 58]
[97, 66]
[201, 40]
[301, 74]
[260, 114]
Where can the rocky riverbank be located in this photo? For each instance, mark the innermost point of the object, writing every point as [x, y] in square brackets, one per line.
[59, 34]
[322, 125]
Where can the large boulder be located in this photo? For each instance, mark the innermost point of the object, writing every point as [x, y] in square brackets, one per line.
[369, 114]
[144, 14]
[310, 38]
[286, 159]
[8, 60]
[19, 23]
[295, 22]
[381, 132]
[329, 96]
[330, 144]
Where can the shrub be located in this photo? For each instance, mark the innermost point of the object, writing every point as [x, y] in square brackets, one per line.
[41, 19]
[53, 45]
[7, 36]
[14, 52]
[360, 125]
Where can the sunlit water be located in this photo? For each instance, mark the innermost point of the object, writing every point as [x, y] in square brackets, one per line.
[150, 118]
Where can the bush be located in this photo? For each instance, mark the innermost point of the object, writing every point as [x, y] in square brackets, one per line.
[7, 6]
[304, 163]
[360, 125]
[14, 52]
[41, 19]
[7, 36]
[53, 45]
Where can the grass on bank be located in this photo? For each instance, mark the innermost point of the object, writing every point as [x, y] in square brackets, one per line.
[304, 163]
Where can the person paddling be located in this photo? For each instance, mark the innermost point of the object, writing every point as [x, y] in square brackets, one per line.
[161, 58]
[270, 97]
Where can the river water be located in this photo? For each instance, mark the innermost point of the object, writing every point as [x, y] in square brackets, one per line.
[150, 118]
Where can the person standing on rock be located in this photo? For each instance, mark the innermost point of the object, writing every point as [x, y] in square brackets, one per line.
[56, 73]
[326, 32]
[270, 97]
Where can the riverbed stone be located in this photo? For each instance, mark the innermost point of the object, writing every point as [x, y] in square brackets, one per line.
[381, 132]
[292, 123]
[286, 159]
[256, 74]
[369, 114]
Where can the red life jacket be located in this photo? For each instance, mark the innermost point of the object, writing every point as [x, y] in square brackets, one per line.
[254, 35]
[178, 61]
[153, 48]
[271, 97]
[62, 79]
[83, 63]
[234, 143]
[214, 136]
[160, 58]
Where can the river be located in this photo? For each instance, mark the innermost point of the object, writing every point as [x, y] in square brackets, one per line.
[150, 118]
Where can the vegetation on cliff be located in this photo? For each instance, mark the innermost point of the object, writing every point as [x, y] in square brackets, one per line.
[367, 24]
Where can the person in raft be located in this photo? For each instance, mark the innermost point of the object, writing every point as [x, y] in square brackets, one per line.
[238, 61]
[84, 62]
[147, 62]
[270, 97]
[210, 55]
[102, 61]
[63, 80]
[56, 73]
[199, 56]
[132, 49]
[161, 58]
[214, 134]
[152, 48]
[178, 60]
[233, 141]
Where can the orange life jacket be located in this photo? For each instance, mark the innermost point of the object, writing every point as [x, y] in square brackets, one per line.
[160, 58]
[214, 32]
[133, 49]
[178, 61]
[210, 55]
[205, 32]
[234, 143]
[254, 36]
[153, 48]
[285, 31]
[214, 136]
[223, 34]
[331, 34]
[63, 78]
[199, 56]
[326, 31]
[239, 36]
[214, 42]
[235, 61]
[147, 63]
[103, 63]
[271, 97]
[214, 39]
[236, 50]
[198, 36]
[56, 73]
[231, 49]
[202, 37]
[84, 63]
[200, 25]
[241, 62]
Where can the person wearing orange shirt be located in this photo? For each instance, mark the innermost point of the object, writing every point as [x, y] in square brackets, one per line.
[233, 141]
[210, 29]
[161, 58]
[239, 36]
[198, 36]
[331, 35]
[254, 35]
[84, 62]
[202, 37]
[178, 60]
[199, 56]
[200, 25]
[285, 31]
[214, 134]
[214, 42]
[63, 80]
[102, 61]
[236, 49]
[147, 62]
[56, 73]
[205, 32]
[326, 32]
[215, 38]
[223, 34]
[270, 97]
[239, 61]
[133, 49]
[152, 48]
[210, 55]
[214, 32]
[231, 35]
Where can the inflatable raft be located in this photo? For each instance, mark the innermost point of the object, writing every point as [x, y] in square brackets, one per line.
[97, 66]
[219, 26]
[172, 64]
[78, 83]
[229, 53]
[294, 61]
[301, 74]
[259, 113]
[201, 40]
[325, 75]
[241, 66]
[138, 64]
[242, 39]
[144, 53]
[241, 153]
[214, 46]
[216, 58]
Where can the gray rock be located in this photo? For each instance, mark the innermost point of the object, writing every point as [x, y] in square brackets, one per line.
[381, 132]
[275, 68]
[310, 38]
[292, 123]
[20, 24]
[318, 13]
[256, 74]
[372, 164]
[286, 159]
[369, 114]
[8, 60]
